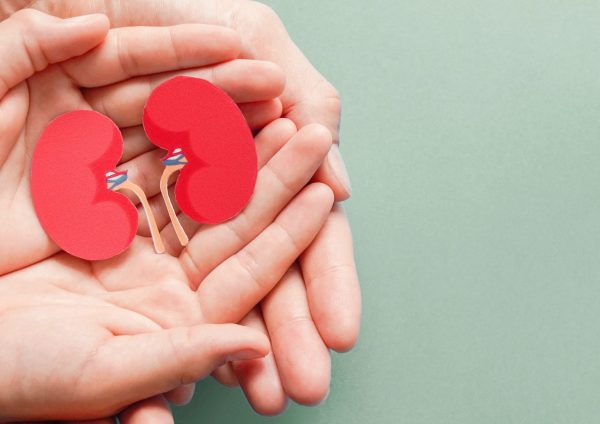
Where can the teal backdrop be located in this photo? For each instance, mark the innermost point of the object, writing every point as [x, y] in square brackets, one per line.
[471, 129]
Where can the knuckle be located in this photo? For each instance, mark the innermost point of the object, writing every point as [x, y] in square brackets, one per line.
[299, 319]
[288, 188]
[335, 99]
[27, 16]
[333, 93]
[326, 92]
[125, 58]
[240, 228]
[288, 238]
[249, 266]
[338, 272]
[28, 28]
[331, 96]
[172, 36]
[262, 12]
[186, 360]
[176, 341]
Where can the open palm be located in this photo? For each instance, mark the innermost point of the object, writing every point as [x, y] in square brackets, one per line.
[115, 78]
[317, 305]
[70, 354]
[236, 265]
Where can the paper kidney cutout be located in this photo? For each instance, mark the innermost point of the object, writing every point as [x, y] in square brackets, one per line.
[69, 188]
[193, 115]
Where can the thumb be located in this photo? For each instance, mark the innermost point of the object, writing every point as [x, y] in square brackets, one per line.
[31, 40]
[130, 368]
[333, 173]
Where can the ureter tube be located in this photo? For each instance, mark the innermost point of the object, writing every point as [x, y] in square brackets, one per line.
[159, 246]
[164, 189]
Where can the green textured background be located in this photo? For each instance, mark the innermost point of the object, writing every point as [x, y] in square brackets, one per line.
[471, 130]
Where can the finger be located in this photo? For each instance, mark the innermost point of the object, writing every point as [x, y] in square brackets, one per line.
[135, 143]
[146, 365]
[145, 171]
[121, 322]
[308, 97]
[33, 40]
[134, 51]
[272, 138]
[182, 395]
[244, 80]
[332, 283]
[142, 159]
[157, 206]
[259, 377]
[225, 375]
[302, 357]
[268, 142]
[278, 181]
[333, 173]
[155, 410]
[13, 114]
[259, 114]
[234, 288]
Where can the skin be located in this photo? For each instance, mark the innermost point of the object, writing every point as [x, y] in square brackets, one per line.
[331, 284]
[113, 333]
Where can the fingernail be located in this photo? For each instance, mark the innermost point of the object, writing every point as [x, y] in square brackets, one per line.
[336, 163]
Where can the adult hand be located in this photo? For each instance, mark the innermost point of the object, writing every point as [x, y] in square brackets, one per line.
[325, 313]
[27, 106]
[115, 78]
[67, 352]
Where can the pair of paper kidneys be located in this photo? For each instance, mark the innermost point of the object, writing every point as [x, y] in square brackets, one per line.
[74, 181]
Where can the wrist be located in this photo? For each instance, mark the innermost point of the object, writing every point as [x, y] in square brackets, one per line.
[8, 7]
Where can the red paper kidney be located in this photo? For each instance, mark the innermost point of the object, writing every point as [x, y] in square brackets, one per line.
[69, 188]
[193, 115]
